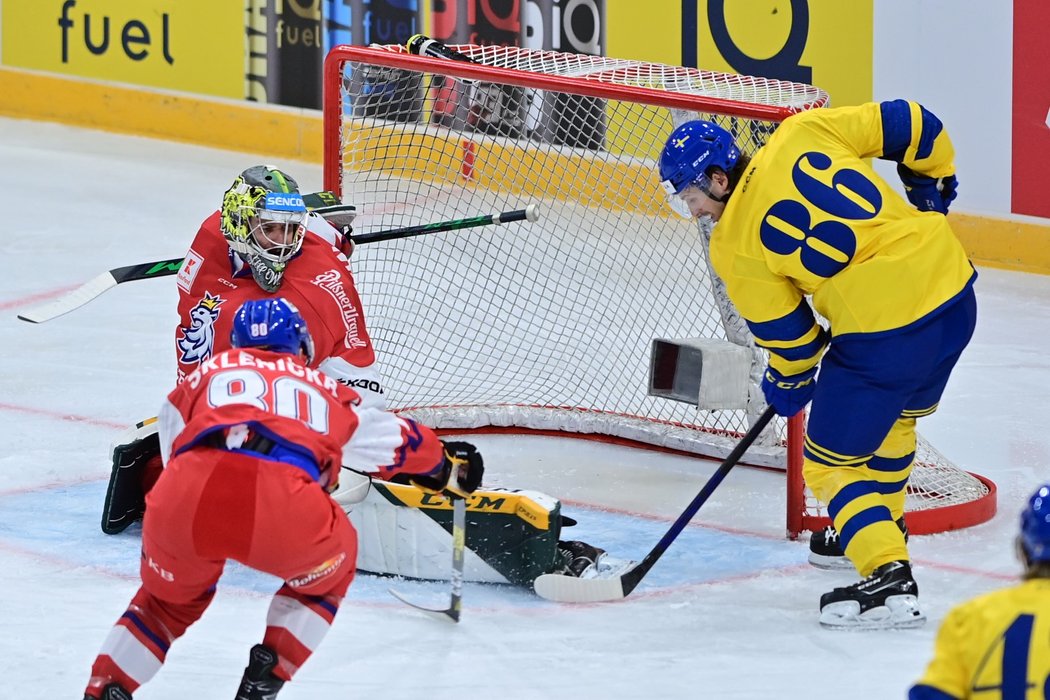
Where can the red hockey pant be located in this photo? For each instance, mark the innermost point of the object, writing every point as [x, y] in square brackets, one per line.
[212, 505]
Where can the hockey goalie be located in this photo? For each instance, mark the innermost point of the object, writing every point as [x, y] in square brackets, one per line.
[262, 239]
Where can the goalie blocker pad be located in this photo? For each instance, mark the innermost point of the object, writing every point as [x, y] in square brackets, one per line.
[511, 536]
[126, 494]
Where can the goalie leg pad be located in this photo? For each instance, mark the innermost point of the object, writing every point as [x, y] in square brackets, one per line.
[353, 488]
[136, 466]
[512, 536]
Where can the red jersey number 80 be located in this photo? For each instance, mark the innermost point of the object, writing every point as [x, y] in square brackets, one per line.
[285, 396]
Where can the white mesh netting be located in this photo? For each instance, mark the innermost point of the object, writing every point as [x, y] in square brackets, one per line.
[548, 325]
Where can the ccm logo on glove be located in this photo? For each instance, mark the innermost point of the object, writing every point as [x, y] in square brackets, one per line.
[788, 394]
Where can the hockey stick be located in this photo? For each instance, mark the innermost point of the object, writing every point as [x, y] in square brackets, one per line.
[163, 268]
[325, 203]
[569, 589]
[423, 45]
[459, 545]
[531, 213]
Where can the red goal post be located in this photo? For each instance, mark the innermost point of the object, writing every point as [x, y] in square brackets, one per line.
[547, 326]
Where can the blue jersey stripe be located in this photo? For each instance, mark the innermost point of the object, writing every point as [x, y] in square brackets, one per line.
[896, 129]
[786, 328]
[798, 352]
[891, 464]
[861, 520]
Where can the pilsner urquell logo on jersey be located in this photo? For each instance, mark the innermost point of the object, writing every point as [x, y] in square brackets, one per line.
[197, 341]
[332, 282]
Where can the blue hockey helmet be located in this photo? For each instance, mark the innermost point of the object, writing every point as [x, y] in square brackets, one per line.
[1035, 526]
[272, 324]
[691, 150]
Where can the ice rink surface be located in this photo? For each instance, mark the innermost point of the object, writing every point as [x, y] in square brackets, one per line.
[729, 612]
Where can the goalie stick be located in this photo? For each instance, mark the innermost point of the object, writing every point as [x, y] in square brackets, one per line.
[164, 268]
[459, 545]
[569, 589]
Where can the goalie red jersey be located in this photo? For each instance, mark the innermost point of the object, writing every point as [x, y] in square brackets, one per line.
[214, 282]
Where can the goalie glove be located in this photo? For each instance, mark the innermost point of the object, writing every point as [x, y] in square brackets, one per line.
[788, 394]
[928, 193]
[459, 475]
[340, 216]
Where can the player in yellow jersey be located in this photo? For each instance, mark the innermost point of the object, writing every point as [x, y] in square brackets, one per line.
[807, 218]
[997, 646]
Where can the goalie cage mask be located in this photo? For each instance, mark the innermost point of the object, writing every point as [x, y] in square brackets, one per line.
[263, 218]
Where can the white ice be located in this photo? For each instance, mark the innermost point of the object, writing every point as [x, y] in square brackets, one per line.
[729, 612]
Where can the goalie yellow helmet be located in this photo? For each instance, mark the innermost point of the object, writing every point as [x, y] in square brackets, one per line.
[263, 218]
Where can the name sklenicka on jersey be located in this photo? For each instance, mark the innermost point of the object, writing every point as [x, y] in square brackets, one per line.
[234, 360]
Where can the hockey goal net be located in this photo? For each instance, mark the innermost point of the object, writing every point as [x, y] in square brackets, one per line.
[547, 326]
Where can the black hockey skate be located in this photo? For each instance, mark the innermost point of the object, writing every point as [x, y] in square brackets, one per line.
[113, 691]
[888, 598]
[578, 558]
[258, 682]
[825, 548]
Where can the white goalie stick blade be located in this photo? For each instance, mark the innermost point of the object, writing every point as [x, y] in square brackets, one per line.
[98, 285]
[70, 301]
[459, 545]
[569, 589]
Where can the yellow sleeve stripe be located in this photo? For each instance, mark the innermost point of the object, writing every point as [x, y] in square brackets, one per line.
[919, 412]
[809, 345]
[930, 151]
[911, 154]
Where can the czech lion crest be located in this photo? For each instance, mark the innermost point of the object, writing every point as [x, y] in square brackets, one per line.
[198, 340]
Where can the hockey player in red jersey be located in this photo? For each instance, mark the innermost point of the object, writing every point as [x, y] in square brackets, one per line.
[248, 245]
[263, 241]
[253, 441]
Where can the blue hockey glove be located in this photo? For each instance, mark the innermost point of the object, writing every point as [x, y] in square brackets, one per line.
[788, 394]
[928, 193]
